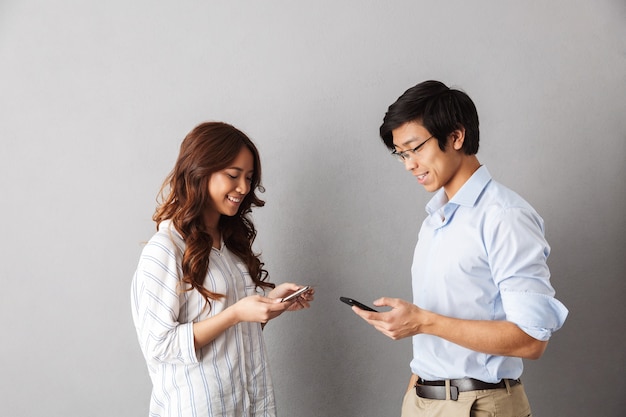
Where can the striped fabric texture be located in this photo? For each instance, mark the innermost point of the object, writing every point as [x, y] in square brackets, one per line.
[229, 376]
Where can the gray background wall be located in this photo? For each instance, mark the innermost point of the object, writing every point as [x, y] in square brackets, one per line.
[95, 98]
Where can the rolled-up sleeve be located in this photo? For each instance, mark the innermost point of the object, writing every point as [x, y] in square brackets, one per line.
[155, 299]
[539, 315]
[518, 255]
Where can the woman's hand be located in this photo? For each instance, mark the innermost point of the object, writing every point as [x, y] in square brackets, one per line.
[259, 309]
[255, 308]
[283, 290]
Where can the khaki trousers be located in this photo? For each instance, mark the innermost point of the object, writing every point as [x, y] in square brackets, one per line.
[501, 402]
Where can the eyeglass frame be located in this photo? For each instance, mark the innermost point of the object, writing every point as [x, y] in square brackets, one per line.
[403, 156]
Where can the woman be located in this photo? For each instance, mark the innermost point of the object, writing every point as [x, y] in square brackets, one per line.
[197, 296]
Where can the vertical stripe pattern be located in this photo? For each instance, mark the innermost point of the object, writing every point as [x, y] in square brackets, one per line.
[228, 377]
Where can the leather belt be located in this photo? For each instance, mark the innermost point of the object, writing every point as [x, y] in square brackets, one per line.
[436, 390]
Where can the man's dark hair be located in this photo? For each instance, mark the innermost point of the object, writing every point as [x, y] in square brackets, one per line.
[440, 109]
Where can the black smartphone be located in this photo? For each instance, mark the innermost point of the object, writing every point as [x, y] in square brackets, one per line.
[353, 302]
[296, 294]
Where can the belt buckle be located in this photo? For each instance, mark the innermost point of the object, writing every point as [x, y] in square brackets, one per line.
[454, 393]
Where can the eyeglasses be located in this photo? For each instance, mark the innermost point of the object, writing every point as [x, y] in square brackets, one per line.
[409, 153]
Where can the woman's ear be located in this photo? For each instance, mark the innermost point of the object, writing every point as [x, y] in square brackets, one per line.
[458, 137]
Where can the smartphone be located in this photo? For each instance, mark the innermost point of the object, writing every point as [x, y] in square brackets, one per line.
[353, 302]
[296, 294]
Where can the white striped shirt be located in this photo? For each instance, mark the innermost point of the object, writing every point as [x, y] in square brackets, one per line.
[229, 376]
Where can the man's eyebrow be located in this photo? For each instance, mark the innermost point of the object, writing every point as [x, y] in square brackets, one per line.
[406, 143]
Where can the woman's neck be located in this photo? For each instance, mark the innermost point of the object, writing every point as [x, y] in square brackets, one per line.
[211, 223]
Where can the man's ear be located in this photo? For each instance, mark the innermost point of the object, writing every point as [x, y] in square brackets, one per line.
[458, 137]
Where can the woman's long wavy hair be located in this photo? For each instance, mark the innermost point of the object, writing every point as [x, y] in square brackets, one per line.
[208, 148]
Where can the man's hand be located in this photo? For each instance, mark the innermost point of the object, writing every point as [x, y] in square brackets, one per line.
[494, 337]
[403, 320]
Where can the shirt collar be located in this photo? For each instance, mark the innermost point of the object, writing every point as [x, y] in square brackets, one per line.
[473, 187]
[466, 196]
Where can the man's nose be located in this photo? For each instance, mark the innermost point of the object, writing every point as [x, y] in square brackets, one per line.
[410, 164]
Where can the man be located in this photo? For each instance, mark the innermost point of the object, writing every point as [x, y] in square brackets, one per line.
[482, 298]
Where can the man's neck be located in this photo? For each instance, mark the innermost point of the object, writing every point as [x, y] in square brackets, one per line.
[469, 165]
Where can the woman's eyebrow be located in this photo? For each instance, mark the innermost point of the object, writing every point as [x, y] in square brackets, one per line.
[240, 169]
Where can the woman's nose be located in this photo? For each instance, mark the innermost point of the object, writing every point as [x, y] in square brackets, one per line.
[243, 187]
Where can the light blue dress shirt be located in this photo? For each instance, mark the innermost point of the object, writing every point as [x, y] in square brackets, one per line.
[481, 256]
